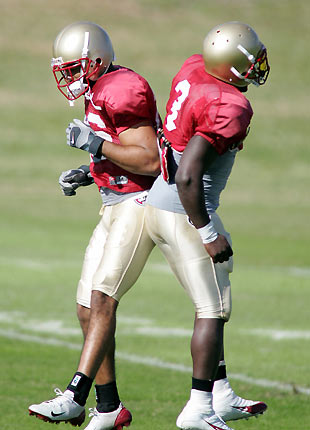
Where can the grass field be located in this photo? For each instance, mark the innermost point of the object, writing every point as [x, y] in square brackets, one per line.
[265, 207]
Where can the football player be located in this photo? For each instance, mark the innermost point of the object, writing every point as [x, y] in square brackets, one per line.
[207, 120]
[119, 132]
[119, 246]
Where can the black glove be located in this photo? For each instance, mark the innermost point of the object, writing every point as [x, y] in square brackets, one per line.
[72, 179]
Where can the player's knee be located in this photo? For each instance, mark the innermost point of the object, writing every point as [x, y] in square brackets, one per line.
[219, 307]
[224, 315]
[222, 311]
[102, 302]
[83, 314]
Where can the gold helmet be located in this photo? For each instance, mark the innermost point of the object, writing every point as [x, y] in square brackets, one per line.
[233, 53]
[79, 51]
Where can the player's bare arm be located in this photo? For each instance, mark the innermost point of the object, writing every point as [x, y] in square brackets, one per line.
[138, 151]
[197, 157]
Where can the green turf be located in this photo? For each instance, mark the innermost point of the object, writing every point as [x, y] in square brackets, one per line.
[265, 207]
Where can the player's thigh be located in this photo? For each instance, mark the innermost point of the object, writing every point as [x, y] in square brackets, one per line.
[126, 250]
[92, 258]
[206, 283]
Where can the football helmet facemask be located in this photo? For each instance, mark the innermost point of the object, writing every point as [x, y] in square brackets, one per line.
[80, 50]
[233, 53]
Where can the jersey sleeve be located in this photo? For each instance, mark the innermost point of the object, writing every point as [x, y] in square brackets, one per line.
[134, 104]
[227, 126]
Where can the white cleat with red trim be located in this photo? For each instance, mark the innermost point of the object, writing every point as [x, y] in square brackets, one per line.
[194, 418]
[60, 409]
[231, 407]
[115, 420]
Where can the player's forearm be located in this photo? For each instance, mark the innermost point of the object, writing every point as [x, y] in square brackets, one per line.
[133, 158]
[189, 180]
[192, 197]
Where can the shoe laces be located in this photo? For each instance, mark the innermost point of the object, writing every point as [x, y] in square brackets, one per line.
[58, 392]
[93, 412]
[60, 397]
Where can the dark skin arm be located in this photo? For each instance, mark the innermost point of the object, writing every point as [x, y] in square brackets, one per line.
[197, 157]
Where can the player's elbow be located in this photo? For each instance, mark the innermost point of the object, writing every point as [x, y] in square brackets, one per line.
[149, 167]
[182, 178]
[153, 167]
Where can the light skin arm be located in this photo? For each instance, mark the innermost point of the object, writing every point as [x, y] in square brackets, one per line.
[197, 157]
[137, 151]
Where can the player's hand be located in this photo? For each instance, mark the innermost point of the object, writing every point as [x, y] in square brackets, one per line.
[82, 136]
[219, 250]
[72, 179]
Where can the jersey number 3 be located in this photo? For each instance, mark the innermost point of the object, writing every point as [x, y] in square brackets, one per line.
[182, 87]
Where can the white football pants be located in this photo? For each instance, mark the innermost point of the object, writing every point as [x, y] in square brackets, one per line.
[206, 283]
[116, 253]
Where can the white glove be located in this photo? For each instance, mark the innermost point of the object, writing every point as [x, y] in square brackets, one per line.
[82, 136]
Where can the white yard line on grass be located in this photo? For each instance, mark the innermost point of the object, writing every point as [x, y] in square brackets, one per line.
[41, 265]
[58, 327]
[156, 331]
[135, 326]
[151, 361]
[274, 334]
[299, 272]
[278, 334]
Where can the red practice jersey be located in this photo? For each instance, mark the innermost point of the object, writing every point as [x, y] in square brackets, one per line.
[200, 104]
[117, 101]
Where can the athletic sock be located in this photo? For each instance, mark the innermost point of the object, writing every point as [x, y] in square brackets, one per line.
[221, 383]
[221, 371]
[202, 384]
[107, 397]
[80, 386]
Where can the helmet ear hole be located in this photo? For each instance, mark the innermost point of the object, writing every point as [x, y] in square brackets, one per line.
[99, 61]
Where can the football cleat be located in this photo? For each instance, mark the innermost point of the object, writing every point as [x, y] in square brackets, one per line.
[231, 407]
[62, 408]
[193, 418]
[115, 420]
